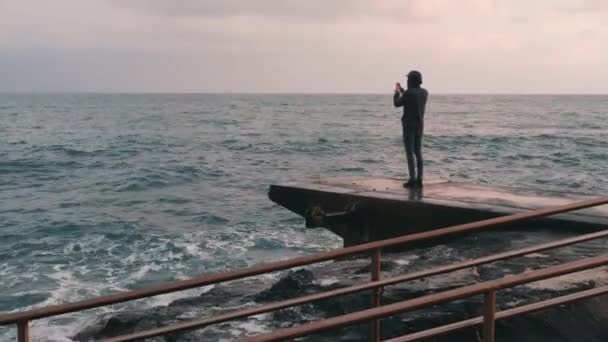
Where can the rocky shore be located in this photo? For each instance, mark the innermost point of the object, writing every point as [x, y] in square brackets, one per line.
[581, 321]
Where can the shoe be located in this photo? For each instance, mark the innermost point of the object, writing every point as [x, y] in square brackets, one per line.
[419, 183]
[409, 184]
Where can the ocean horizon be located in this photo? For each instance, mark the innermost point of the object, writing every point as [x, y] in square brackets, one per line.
[388, 93]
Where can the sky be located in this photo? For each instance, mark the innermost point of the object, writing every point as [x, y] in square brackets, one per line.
[303, 46]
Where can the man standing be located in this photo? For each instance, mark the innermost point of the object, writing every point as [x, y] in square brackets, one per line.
[413, 101]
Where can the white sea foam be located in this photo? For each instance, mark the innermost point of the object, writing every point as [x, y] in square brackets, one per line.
[253, 327]
[328, 281]
[166, 299]
[536, 255]
[406, 260]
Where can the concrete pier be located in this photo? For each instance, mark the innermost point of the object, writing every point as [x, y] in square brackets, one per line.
[369, 209]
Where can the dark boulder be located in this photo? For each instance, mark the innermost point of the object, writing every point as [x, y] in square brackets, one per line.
[126, 322]
[294, 284]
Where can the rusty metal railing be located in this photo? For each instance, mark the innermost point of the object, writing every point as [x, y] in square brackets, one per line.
[488, 289]
[22, 319]
[521, 310]
[376, 285]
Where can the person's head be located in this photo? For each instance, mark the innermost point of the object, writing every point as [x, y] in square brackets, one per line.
[414, 79]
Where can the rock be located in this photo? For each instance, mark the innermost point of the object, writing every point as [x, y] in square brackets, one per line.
[295, 284]
[120, 323]
[229, 294]
[385, 265]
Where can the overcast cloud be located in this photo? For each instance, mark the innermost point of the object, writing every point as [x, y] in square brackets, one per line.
[464, 46]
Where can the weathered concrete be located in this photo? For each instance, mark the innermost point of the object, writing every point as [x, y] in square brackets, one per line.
[362, 210]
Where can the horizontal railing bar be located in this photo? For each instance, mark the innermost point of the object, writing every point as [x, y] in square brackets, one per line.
[199, 323]
[539, 306]
[428, 300]
[521, 310]
[295, 262]
[442, 330]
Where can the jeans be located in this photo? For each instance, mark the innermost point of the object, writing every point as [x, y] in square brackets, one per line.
[412, 140]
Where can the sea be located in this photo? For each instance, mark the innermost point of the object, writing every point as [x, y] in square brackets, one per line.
[101, 193]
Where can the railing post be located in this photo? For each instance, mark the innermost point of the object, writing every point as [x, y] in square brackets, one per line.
[489, 311]
[376, 268]
[23, 332]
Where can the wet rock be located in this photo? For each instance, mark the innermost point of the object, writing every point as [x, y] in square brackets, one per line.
[385, 265]
[126, 322]
[229, 294]
[295, 284]
[580, 321]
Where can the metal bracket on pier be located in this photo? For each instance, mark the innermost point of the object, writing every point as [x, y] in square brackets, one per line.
[317, 217]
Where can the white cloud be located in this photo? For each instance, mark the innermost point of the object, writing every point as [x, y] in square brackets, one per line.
[314, 45]
[311, 10]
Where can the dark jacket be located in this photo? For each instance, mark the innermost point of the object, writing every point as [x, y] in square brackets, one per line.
[413, 101]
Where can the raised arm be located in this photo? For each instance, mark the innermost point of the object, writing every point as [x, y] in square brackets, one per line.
[398, 99]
